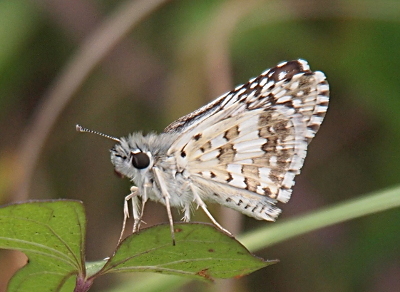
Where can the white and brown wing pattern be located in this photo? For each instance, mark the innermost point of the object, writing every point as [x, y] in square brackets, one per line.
[244, 149]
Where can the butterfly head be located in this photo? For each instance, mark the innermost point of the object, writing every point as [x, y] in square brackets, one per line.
[128, 158]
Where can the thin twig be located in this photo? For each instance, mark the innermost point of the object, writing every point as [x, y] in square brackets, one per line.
[92, 51]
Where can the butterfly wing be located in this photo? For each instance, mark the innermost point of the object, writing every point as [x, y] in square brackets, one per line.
[244, 149]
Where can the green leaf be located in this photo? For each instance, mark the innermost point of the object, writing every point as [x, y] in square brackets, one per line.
[269, 235]
[201, 251]
[51, 234]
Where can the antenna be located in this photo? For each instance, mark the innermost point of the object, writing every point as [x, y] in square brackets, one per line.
[81, 129]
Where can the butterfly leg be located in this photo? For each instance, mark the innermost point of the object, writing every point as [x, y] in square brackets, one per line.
[138, 219]
[166, 196]
[186, 207]
[186, 210]
[203, 205]
[133, 196]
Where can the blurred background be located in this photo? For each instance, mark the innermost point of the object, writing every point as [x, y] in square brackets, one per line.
[60, 65]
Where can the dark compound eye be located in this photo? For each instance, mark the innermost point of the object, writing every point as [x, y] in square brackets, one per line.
[140, 160]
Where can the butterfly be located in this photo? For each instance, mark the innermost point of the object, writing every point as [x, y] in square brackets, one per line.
[242, 150]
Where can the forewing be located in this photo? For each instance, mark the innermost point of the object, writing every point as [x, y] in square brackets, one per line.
[266, 90]
[245, 148]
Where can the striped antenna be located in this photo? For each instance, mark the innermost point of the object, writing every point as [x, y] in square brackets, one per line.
[81, 129]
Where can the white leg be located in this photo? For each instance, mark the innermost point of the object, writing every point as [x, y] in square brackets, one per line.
[200, 203]
[137, 216]
[161, 183]
[147, 187]
[135, 212]
[186, 216]
[138, 220]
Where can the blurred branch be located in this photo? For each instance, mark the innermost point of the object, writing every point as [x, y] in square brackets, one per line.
[219, 79]
[219, 73]
[79, 18]
[217, 44]
[92, 51]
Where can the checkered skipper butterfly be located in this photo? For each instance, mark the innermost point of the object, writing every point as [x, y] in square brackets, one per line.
[242, 150]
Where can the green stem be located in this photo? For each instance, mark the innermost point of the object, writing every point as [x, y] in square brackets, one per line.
[366, 205]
